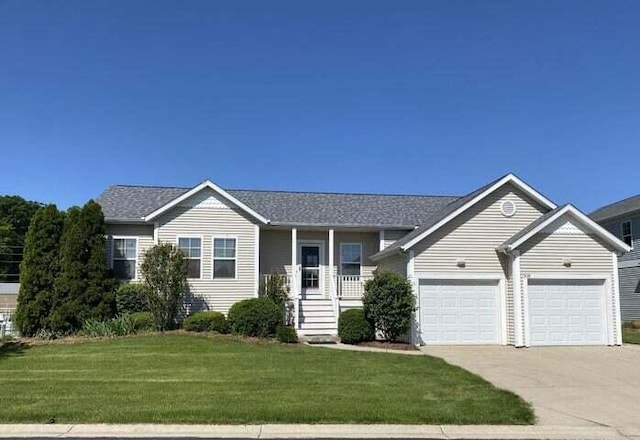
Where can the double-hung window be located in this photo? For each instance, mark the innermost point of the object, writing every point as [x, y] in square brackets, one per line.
[350, 258]
[224, 257]
[627, 233]
[124, 258]
[192, 249]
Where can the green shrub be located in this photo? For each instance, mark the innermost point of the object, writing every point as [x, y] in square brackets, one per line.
[130, 298]
[389, 303]
[120, 326]
[255, 317]
[286, 334]
[353, 327]
[143, 321]
[206, 322]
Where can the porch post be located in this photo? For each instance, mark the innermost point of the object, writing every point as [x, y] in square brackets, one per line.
[331, 277]
[294, 262]
[516, 281]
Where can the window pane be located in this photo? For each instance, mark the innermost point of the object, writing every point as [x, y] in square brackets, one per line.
[124, 269]
[224, 269]
[350, 269]
[183, 243]
[118, 248]
[310, 278]
[627, 240]
[130, 248]
[626, 228]
[350, 253]
[224, 248]
[194, 268]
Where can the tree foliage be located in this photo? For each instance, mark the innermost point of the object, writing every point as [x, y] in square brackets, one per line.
[389, 303]
[84, 288]
[275, 288]
[15, 216]
[164, 271]
[38, 270]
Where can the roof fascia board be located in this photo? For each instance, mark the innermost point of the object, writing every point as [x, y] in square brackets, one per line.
[509, 178]
[206, 184]
[603, 233]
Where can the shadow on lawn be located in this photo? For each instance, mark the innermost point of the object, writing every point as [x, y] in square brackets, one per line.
[12, 348]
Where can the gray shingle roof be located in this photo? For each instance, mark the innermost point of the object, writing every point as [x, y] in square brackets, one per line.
[435, 218]
[616, 209]
[122, 202]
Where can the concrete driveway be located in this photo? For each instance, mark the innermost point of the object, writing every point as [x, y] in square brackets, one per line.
[574, 386]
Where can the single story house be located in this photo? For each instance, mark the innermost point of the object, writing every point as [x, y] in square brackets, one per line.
[501, 265]
[622, 219]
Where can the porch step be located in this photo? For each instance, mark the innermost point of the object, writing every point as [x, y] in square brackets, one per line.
[318, 326]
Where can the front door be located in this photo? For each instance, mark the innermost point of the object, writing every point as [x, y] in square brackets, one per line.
[310, 257]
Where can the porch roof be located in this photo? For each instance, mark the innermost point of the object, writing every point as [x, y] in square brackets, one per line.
[132, 203]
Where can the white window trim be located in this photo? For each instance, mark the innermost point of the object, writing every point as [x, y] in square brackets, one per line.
[213, 258]
[178, 237]
[350, 244]
[630, 235]
[113, 254]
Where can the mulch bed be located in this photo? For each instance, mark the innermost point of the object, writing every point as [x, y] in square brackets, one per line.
[389, 345]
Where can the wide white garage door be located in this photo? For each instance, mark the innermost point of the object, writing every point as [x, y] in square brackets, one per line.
[566, 312]
[459, 312]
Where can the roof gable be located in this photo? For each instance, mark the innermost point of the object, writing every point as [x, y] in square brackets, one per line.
[458, 207]
[576, 216]
[207, 184]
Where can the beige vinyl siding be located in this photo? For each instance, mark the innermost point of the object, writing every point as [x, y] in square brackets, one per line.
[544, 253]
[394, 263]
[474, 237]
[208, 220]
[143, 232]
[275, 251]
[391, 236]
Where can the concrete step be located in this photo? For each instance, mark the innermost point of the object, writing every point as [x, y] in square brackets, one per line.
[320, 338]
[318, 325]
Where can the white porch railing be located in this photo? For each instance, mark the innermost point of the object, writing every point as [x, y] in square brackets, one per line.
[351, 286]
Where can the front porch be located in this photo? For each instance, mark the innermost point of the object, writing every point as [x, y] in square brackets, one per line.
[325, 272]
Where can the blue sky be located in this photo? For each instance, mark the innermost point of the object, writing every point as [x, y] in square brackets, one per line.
[424, 97]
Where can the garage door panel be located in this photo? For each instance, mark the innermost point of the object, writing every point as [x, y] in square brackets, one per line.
[459, 312]
[566, 312]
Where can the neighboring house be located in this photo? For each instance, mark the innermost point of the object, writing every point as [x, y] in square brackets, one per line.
[622, 219]
[501, 265]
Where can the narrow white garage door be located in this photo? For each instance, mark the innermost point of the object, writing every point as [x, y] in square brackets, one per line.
[567, 312]
[459, 312]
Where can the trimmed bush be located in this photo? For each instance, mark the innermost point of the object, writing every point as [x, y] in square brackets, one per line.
[206, 322]
[143, 321]
[389, 303]
[130, 298]
[255, 317]
[286, 334]
[353, 327]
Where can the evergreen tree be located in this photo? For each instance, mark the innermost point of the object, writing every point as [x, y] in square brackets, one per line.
[85, 288]
[38, 270]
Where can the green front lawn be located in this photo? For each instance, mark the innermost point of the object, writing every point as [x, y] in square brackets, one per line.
[180, 378]
[630, 336]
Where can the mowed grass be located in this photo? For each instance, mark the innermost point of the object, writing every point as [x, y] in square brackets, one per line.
[630, 336]
[181, 378]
